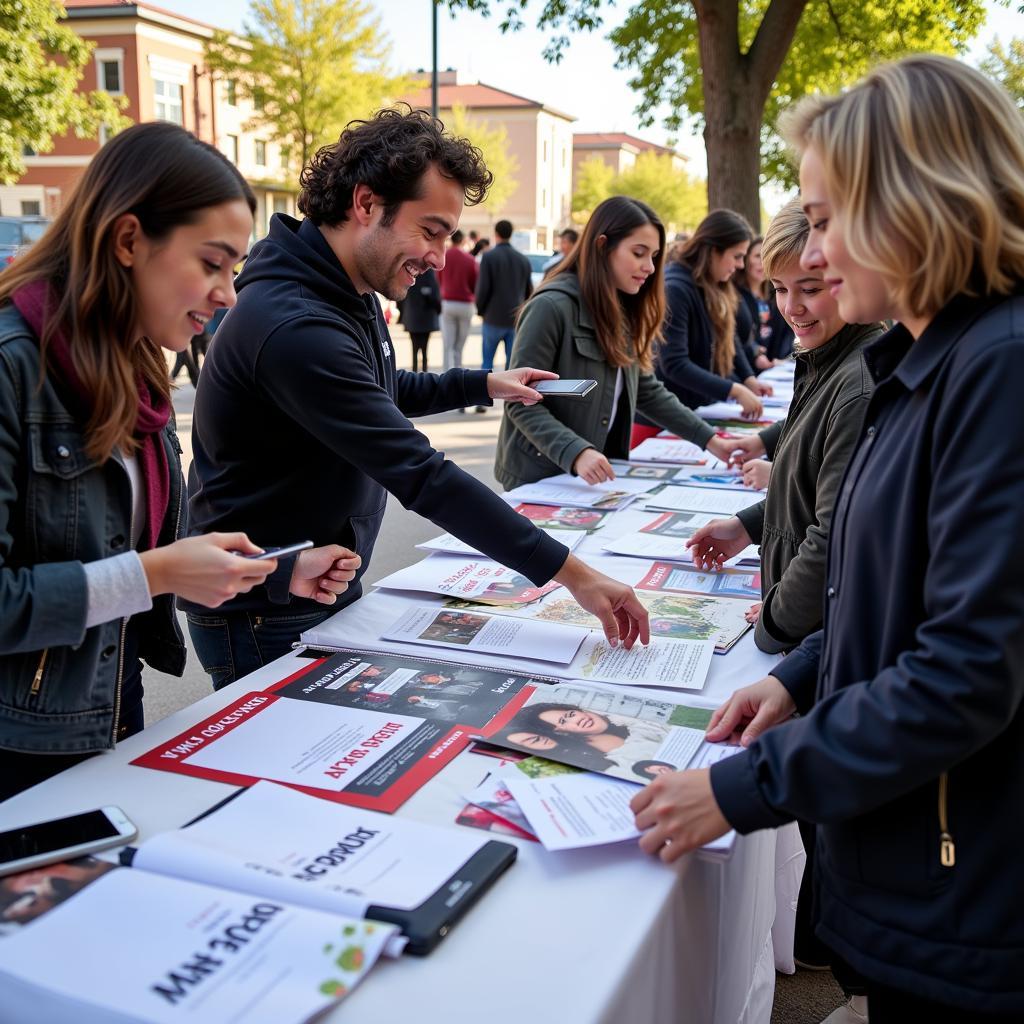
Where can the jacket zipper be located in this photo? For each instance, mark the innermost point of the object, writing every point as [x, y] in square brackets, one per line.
[37, 679]
[947, 848]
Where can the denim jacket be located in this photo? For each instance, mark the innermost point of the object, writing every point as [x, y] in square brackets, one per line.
[60, 684]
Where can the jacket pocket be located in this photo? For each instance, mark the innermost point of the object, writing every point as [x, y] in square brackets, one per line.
[587, 346]
[56, 500]
[361, 535]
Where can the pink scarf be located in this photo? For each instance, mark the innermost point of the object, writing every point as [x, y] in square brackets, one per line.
[33, 301]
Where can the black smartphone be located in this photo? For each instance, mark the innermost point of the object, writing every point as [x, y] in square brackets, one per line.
[564, 388]
[281, 552]
[46, 842]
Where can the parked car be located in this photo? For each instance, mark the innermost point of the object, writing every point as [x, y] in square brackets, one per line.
[537, 262]
[18, 233]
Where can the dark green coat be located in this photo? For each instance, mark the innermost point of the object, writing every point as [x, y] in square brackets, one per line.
[792, 523]
[555, 332]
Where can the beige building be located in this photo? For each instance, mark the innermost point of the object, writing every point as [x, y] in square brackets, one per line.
[539, 137]
[618, 150]
[155, 59]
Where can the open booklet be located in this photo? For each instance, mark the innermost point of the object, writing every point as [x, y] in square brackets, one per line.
[481, 581]
[276, 842]
[85, 942]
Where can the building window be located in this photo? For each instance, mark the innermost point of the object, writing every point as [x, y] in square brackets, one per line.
[232, 92]
[231, 148]
[280, 204]
[27, 150]
[110, 70]
[30, 208]
[167, 101]
[261, 153]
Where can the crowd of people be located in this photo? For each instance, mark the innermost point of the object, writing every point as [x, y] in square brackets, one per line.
[891, 539]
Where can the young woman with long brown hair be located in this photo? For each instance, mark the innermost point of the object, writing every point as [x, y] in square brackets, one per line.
[91, 501]
[597, 316]
[700, 361]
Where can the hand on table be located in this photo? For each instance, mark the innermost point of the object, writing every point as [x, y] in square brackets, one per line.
[720, 540]
[750, 711]
[677, 813]
[622, 616]
[323, 573]
[757, 473]
[514, 385]
[593, 467]
[753, 613]
[759, 387]
[722, 446]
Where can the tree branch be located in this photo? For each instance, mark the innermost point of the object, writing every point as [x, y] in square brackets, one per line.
[771, 44]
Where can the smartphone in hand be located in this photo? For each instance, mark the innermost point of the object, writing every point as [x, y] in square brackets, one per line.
[281, 552]
[564, 388]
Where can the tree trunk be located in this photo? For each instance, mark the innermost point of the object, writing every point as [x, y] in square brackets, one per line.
[736, 88]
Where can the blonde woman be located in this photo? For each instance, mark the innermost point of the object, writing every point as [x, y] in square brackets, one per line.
[909, 752]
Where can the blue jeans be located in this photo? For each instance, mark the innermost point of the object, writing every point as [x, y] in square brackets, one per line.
[233, 645]
[493, 336]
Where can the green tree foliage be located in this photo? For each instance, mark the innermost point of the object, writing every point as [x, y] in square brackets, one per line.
[492, 141]
[729, 66]
[41, 64]
[593, 185]
[678, 199]
[1006, 65]
[309, 67]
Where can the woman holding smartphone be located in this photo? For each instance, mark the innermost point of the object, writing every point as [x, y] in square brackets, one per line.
[91, 503]
[909, 752]
[597, 316]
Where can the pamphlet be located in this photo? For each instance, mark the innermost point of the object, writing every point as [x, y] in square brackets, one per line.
[617, 734]
[695, 499]
[717, 479]
[492, 634]
[664, 536]
[729, 410]
[361, 728]
[563, 517]
[449, 544]
[664, 662]
[669, 449]
[679, 616]
[207, 955]
[570, 490]
[493, 795]
[479, 581]
[688, 579]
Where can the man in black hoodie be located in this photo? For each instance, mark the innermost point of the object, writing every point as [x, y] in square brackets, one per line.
[300, 425]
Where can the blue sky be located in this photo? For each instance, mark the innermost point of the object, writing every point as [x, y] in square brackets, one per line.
[586, 83]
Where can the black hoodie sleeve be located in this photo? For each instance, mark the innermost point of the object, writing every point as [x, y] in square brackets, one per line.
[319, 375]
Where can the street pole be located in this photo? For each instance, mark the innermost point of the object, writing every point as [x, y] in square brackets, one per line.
[433, 81]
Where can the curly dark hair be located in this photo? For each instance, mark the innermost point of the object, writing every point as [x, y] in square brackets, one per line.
[389, 152]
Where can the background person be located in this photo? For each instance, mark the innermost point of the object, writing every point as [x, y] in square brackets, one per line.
[700, 361]
[566, 240]
[301, 422]
[458, 279]
[503, 286]
[91, 495]
[910, 744]
[597, 316]
[421, 308]
[771, 335]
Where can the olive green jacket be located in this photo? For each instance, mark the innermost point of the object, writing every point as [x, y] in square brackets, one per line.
[556, 332]
[809, 458]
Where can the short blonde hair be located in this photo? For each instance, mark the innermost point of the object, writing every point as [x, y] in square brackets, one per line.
[925, 157]
[785, 238]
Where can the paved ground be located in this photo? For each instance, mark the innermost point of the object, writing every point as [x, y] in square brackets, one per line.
[468, 439]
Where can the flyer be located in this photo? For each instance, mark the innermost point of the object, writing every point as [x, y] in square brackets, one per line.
[664, 662]
[671, 450]
[606, 732]
[491, 634]
[480, 581]
[449, 544]
[688, 579]
[570, 490]
[663, 536]
[360, 728]
[562, 517]
[718, 479]
[697, 499]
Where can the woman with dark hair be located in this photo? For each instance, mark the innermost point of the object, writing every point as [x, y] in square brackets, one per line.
[757, 315]
[421, 315]
[90, 479]
[597, 316]
[700, 361]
